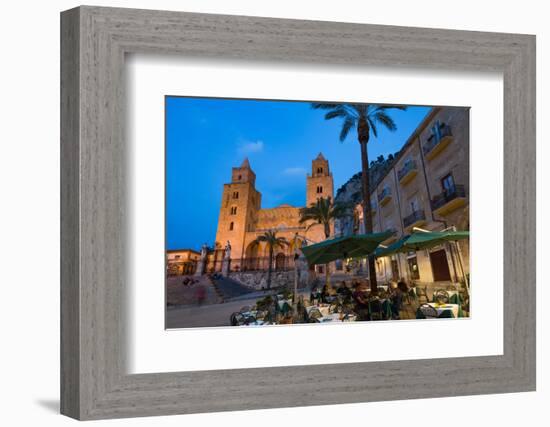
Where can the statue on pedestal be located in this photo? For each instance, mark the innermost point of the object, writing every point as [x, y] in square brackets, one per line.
[226, 263]
[227, 253]
[201, 266]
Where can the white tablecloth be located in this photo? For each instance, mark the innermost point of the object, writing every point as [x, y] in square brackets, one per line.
[441, 309]
[335, 317]
[322, 308]
[282, 302]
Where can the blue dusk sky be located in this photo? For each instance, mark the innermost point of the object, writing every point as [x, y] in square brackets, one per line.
[206, 137]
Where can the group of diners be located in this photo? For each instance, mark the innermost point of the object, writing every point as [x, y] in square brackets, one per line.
[384, 304]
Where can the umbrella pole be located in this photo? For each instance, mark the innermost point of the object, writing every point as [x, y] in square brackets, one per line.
[459, 256]
[453, 262]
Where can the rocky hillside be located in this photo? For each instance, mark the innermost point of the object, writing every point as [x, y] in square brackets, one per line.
[350, 192]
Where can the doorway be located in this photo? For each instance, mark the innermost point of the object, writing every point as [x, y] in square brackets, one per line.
[440, 266]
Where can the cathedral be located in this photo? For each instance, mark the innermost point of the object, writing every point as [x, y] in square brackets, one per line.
[242, 219]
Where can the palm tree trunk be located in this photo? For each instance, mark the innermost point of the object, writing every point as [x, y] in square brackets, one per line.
[327, 275]
[269, 267]
[367, 213]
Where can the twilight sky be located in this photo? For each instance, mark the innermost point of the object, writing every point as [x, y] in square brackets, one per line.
[206, 137]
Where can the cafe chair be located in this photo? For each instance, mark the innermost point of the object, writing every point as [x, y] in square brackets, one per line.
[422, 293]
[446, 314]
[427, 311]
[236, 319]
[314, 315]
[441, 296]
[375, 309]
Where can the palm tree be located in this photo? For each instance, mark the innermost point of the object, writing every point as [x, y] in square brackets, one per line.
[272, 241]
[323, 212]
[365, 118]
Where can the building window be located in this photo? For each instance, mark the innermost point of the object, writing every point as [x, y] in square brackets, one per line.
[448, 183]
[319, 189]
[414, 205]
[239, 177]
[234, 210]
[235, 194]
[319, 170]
[177, 256]
[231, 226]
[413, 268]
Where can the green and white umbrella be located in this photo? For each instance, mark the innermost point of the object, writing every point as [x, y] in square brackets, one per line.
[355, 246]
[422, 240]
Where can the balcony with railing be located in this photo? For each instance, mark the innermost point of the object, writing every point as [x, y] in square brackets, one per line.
[407, 172]
[384, 196]
[416, 219]
[440, 138]
[373, 208]
[449, 200]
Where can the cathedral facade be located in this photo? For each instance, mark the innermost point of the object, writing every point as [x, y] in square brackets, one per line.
[242, 219]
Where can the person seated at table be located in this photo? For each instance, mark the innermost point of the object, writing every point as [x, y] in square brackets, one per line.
[343, 290]
[396, 299]
[326, 293]
[403, 286]
[313, 295]
[360, 299]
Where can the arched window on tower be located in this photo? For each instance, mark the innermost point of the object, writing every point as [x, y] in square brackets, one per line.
[235, 194]
[319, 170]
[234, 210]
[319, 189]
[230, 226]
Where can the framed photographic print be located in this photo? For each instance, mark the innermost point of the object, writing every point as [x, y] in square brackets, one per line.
[279, 213]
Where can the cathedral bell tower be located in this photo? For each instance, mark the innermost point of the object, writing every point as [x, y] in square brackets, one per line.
[239, 210]
[319, 183]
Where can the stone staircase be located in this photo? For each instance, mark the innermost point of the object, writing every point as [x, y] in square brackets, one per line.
[227, 288]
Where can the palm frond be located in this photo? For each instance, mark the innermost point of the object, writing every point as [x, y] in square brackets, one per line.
[337, 112]
[324, 211]
[324, 106]
[349, 123]
[377, 108]
[385, 119]
[372, 126]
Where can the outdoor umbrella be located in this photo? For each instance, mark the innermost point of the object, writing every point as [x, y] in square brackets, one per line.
[428, 239]
[354, 246]
[421, 240]
[391, 249]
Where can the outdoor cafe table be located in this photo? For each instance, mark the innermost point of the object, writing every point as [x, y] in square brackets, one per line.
[335, 317]
[323, 309]
[455, 309]
[282, 302]
[285, 305]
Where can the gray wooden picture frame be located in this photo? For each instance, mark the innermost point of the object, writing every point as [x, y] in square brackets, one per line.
[94, 382]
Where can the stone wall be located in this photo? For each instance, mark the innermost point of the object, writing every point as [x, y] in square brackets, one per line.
[258, 279]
